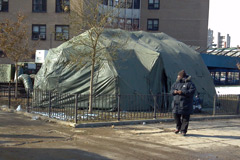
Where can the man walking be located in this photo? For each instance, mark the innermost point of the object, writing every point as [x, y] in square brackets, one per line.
[182, 105]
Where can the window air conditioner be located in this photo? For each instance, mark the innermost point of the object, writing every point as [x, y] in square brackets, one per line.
[42, 36]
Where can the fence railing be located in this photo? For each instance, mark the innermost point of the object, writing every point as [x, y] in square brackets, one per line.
[226, 104]
[9, 90]
[75, 107]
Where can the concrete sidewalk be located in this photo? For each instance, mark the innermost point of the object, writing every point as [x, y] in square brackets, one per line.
[26, 138]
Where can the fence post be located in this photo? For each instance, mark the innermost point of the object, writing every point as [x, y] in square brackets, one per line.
[238, 105]
[28, 101]
[118, 107]
[49, 110]
[155, 104]
[214, 105]
[76, 107]
[9, 94]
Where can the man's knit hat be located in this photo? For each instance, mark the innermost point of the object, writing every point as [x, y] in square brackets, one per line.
[182, 74]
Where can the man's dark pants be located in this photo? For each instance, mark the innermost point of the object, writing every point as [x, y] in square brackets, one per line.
[182, 122]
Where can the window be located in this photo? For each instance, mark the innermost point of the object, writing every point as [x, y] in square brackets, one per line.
[39, 6]
[223, 77]
[105, 2]
[116, 2]
[3, 5]
[38, 32]
[62, 6]
[153, 4]
[115, 22]
[152, 24]
[217, 76]
[136, 4]
[61, 32]
[2, 54]
[230, 77]
[110, 2]
[236, 77]
[121, 23]
[129, 4]
[124, 3]
[135, 24]
[128, 24]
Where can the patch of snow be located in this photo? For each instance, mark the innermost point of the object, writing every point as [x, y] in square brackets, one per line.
[89, 116]
[19, 108]
[59, 115]
[4, 106]
[228, 90]
[35, 118]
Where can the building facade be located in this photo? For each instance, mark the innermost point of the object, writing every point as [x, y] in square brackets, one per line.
[44, 19]
[185, 20]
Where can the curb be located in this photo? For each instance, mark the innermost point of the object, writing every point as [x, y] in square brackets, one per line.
[117, 123]
[107, 124]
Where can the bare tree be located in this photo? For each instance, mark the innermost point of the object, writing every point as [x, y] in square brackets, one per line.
[14, 42]
[91, 17]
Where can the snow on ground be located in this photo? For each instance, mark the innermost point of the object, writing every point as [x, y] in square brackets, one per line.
[228, 90]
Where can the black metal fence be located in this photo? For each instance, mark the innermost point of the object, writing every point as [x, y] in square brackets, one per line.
[226, 104]
[9, 90]
[104, 108]
[75, 107]
[7, 95]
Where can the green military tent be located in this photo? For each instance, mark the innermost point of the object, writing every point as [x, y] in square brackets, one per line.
[147, 65]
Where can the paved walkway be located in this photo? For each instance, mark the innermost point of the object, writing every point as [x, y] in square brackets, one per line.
[25, 138]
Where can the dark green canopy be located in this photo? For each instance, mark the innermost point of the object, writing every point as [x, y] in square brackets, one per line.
[148, 64]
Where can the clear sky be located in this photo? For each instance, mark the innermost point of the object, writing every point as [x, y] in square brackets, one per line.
[224, 17]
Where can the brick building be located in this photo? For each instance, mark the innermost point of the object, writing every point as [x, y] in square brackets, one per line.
[185, 20]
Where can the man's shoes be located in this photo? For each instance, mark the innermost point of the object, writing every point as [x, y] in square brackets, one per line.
[176, 131]
[183, 134]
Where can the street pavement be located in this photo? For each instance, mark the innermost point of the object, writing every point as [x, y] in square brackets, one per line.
[26, 138]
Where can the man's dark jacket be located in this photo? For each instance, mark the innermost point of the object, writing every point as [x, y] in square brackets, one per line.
[183, 104]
